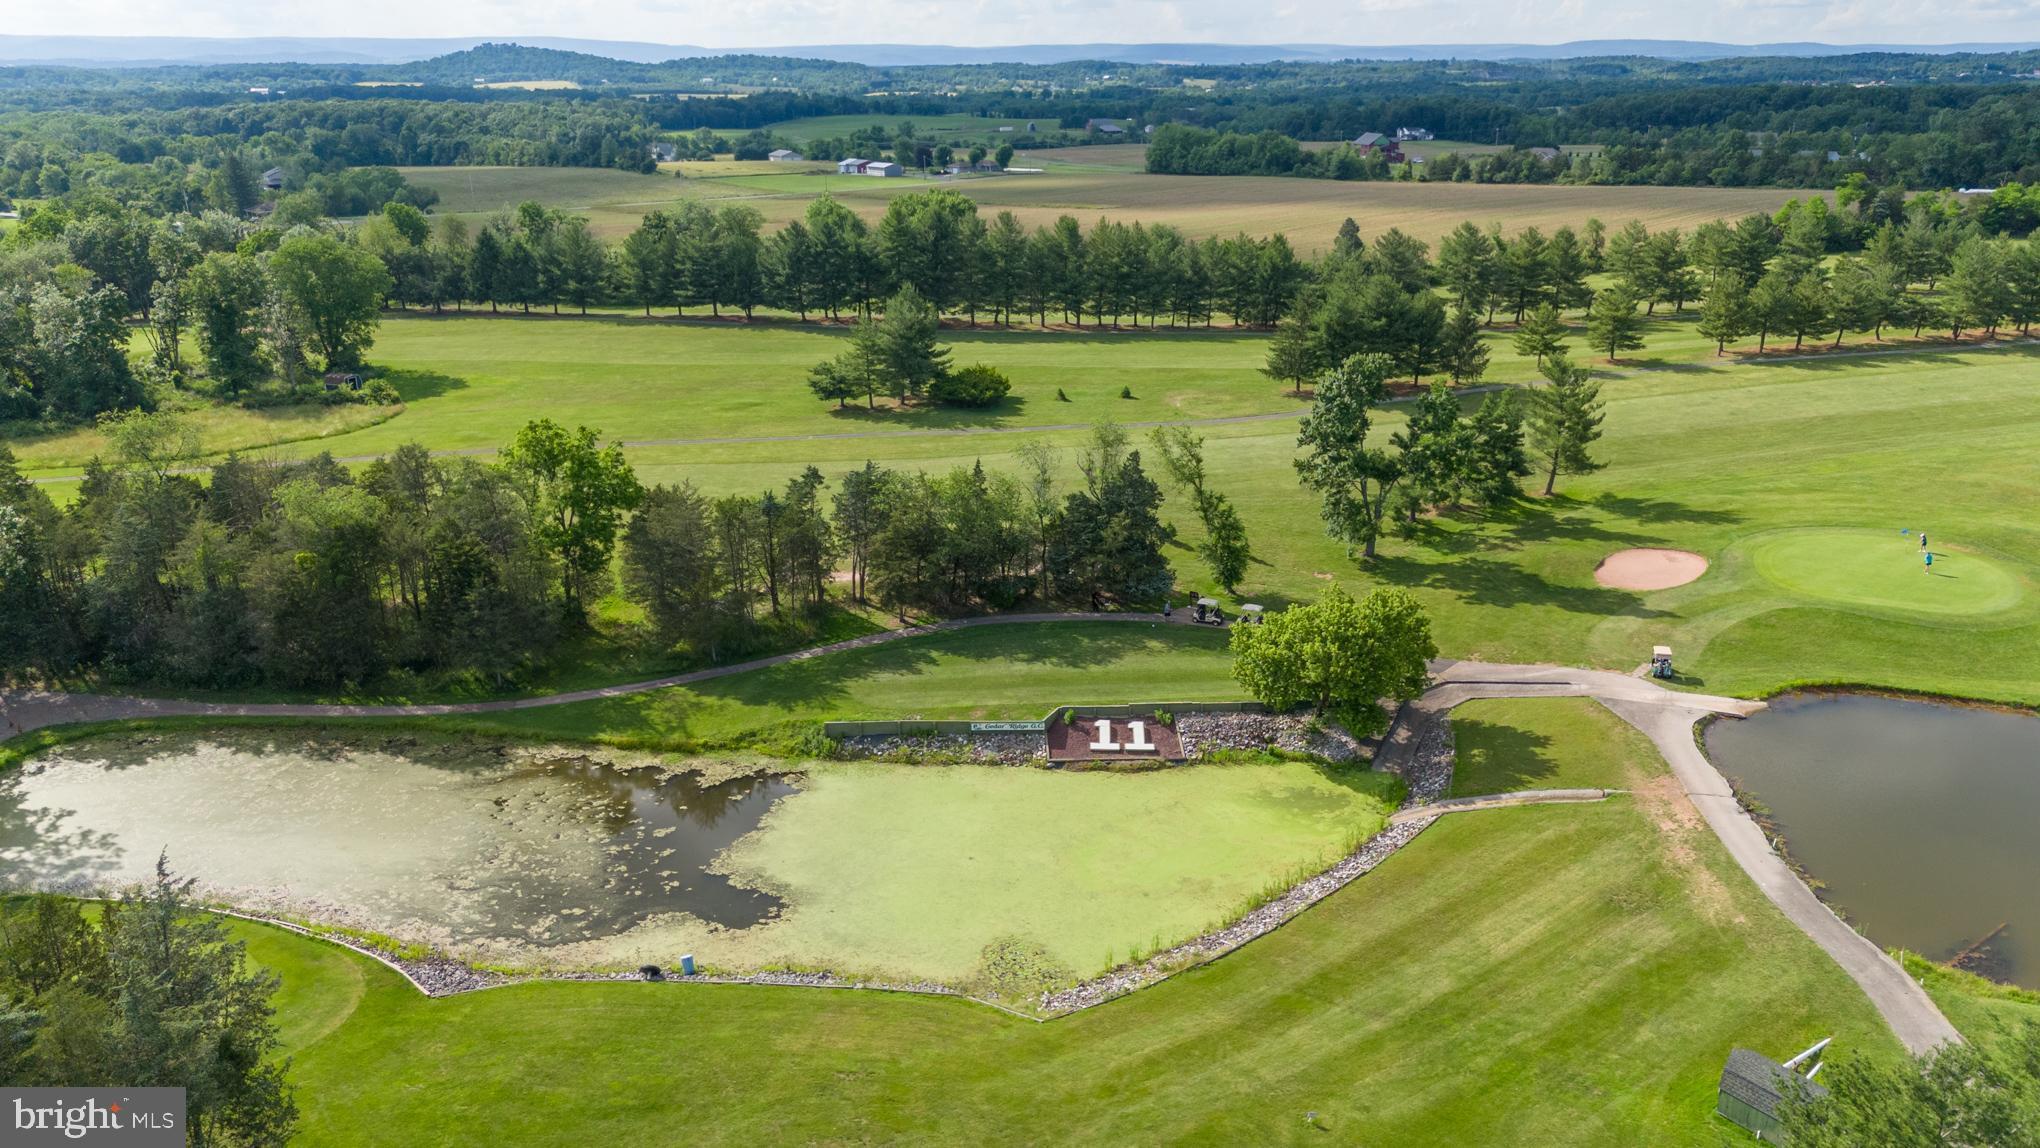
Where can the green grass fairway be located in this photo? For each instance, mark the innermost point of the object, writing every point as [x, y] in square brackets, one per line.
[1885, 570]
[1528, 976]
[910, 871]
[1501, 745]
[1020, 671]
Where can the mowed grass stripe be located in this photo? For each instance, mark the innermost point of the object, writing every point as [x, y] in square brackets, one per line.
[1524, 975]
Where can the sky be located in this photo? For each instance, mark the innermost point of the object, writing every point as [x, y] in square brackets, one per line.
[752, 23]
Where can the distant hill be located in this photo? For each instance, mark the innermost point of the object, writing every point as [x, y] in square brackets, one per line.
[145, 51]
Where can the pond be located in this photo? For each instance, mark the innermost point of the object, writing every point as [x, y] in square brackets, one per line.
[1918, 816]
[479, 847]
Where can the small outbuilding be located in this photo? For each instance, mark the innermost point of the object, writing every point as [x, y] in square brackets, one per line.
[1105, 127]
[334, 380]
[851, 166]
[272, 180]
[883, 168]
[1754, 1088]
[784, 155]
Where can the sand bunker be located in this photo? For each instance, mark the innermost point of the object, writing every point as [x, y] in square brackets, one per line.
[1648, 569]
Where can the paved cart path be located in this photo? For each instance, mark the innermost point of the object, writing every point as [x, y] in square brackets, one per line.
[1665, 716]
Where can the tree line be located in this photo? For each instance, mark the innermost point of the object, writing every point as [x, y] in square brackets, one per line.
[304, 574]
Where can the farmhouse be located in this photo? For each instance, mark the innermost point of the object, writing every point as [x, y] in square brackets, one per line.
[784, 155]
[663, 152]
[1406, 135]
[1374, 143]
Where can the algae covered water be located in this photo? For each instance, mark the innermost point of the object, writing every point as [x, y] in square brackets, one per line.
[472, 846]
[1918, 816]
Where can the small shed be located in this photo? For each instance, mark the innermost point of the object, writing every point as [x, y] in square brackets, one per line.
[785, 155]
[334, 380]
[885, 169]
[1753, 1089]
[272, 180]
[851, 166]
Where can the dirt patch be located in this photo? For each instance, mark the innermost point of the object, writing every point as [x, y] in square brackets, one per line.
[1679, 825]
[1649, 569]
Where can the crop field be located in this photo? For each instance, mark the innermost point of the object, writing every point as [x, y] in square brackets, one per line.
[1091, 182]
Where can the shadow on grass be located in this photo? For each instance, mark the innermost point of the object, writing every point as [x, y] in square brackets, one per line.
[1903, 356]
[1488, 582]
[826, 684]
[1658, 510]
[932, 417]
[1494, 758]
[414, 385]
[1529, 521]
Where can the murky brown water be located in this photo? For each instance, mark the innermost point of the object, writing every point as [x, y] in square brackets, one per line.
[1918, 816]
[461, 844]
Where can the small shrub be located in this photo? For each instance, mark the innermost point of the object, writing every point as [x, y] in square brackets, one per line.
[973, 386]
[382, 393]
[1164, 717]
[1060, 396]
[1126, 392]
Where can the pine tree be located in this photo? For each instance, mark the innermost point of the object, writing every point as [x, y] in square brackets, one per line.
[1725, 313]
[1613, 324]
[1541, 334]
[1462, 353]
[1565, 420]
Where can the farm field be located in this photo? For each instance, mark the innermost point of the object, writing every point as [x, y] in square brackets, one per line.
[1582, 975]
[1090, 182]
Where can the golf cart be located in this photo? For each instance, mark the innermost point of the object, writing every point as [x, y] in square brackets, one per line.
[1209, 613]
[1251, 615]
[1660, 661]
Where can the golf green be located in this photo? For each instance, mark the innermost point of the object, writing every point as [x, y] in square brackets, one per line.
[1885, 570]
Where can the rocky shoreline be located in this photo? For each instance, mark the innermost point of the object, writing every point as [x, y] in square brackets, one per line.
[1427, 772]
[1202, 734]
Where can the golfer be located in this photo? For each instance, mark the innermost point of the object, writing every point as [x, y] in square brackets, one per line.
[1923, 540]
[1930, 562]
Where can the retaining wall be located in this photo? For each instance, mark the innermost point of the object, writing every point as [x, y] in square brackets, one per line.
[913, 727]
